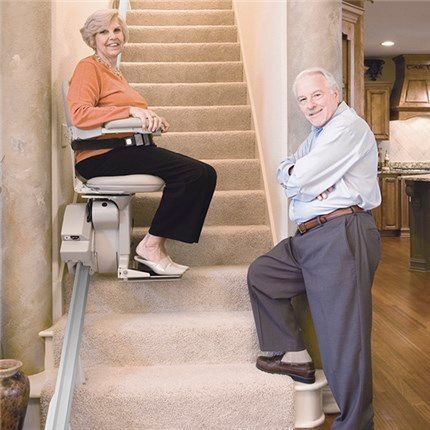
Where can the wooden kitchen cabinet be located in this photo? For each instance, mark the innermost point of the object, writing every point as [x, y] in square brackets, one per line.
[377, 108]
[392, 216]
[377, 212]
[390, 207]
[404, 209]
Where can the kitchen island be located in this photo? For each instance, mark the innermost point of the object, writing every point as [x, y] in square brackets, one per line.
[418, 190]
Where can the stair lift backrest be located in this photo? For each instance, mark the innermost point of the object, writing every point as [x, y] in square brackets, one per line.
[116, 185]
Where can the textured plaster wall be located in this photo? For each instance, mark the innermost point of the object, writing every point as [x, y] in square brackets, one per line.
[26, 167]
[67, 49]
[313, 39]
[265, 57]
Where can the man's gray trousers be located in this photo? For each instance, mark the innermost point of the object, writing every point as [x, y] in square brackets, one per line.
[334, 264]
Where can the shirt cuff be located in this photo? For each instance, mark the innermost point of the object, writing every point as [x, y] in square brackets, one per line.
[283, 175]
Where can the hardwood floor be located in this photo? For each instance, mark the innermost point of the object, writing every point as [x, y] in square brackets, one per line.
[401, 342]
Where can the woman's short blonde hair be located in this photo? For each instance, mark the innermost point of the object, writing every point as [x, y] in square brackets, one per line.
[99, 20]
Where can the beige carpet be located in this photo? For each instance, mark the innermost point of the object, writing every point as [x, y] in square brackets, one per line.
[181, 354]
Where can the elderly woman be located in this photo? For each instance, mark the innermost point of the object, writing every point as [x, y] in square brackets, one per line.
[99, 93]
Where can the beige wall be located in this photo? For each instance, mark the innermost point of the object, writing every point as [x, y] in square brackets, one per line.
[265, 61]
[26, 192]
[67, 49]
[388, 71]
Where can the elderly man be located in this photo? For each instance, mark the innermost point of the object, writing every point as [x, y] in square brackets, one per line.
[332, 183]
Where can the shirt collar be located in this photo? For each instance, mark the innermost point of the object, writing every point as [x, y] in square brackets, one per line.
[342, 107]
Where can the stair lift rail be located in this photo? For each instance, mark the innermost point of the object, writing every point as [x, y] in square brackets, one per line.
[61, 403]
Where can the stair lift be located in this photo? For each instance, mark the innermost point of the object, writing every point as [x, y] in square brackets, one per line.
[95, 237]
[97, 233]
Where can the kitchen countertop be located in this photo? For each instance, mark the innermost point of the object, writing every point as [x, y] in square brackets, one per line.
[405, 171]
[406, 168]
[417, 178]
[406, 165]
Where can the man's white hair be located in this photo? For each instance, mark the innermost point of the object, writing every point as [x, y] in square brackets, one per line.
[331, 81]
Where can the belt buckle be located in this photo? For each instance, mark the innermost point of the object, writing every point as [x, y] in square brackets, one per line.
[302, 228]
[138, 140]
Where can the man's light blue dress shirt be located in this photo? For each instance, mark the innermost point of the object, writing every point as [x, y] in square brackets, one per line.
[341, 154]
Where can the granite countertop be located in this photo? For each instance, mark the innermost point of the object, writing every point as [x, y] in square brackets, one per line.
[405, 171]
[406, 165]
[418, 178]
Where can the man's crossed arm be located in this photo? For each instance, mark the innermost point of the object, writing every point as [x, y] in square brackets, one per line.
[321, 196]
[315, 172]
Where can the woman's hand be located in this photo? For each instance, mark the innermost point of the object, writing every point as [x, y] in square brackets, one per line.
[150, 120]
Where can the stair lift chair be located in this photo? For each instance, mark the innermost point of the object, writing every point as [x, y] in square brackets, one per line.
[97, 233]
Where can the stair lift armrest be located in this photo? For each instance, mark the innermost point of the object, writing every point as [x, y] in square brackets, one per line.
[126, 125]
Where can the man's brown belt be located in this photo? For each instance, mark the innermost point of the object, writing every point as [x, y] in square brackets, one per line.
[321, 219]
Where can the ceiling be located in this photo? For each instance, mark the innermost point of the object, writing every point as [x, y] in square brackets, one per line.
[407, 23]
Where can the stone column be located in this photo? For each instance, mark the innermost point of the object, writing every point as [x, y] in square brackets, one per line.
[314, 38]
[26, 178]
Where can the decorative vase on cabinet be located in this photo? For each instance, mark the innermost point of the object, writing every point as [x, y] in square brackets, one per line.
[14, 395]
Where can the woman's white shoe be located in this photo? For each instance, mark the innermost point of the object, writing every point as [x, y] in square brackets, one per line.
[164, 267]
[181, 266]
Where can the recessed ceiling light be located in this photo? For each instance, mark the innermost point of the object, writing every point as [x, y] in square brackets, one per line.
[387, 43]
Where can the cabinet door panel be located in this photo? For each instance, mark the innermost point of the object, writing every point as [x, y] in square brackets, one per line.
[390, 204]
[404, 210]
[377, 111]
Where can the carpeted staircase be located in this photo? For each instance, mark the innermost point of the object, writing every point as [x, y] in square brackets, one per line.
[181, 354]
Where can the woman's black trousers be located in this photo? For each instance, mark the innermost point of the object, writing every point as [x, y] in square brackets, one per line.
[190, 185]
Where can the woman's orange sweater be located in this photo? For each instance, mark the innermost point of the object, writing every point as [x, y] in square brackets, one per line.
[97, 95]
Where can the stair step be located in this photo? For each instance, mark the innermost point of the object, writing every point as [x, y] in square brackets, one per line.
[183, 33]
[206, 118]
[237, 174]
[206, 288]
[225, 396]
[195, 94]
[154, 52]
[227, 71]
[218, 245]
[180, 17]
[211, 144]
[155, 338]
[181, 4]
[247, 207]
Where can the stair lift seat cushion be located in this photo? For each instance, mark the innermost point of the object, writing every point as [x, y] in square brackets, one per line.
[126, 183]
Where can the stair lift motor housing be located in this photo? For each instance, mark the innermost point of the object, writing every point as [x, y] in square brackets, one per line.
[77, 238]
[91, 238]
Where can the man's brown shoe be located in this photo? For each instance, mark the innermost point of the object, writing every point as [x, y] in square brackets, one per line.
[301, 372]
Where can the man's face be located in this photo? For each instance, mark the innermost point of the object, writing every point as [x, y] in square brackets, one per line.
[317, 101]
